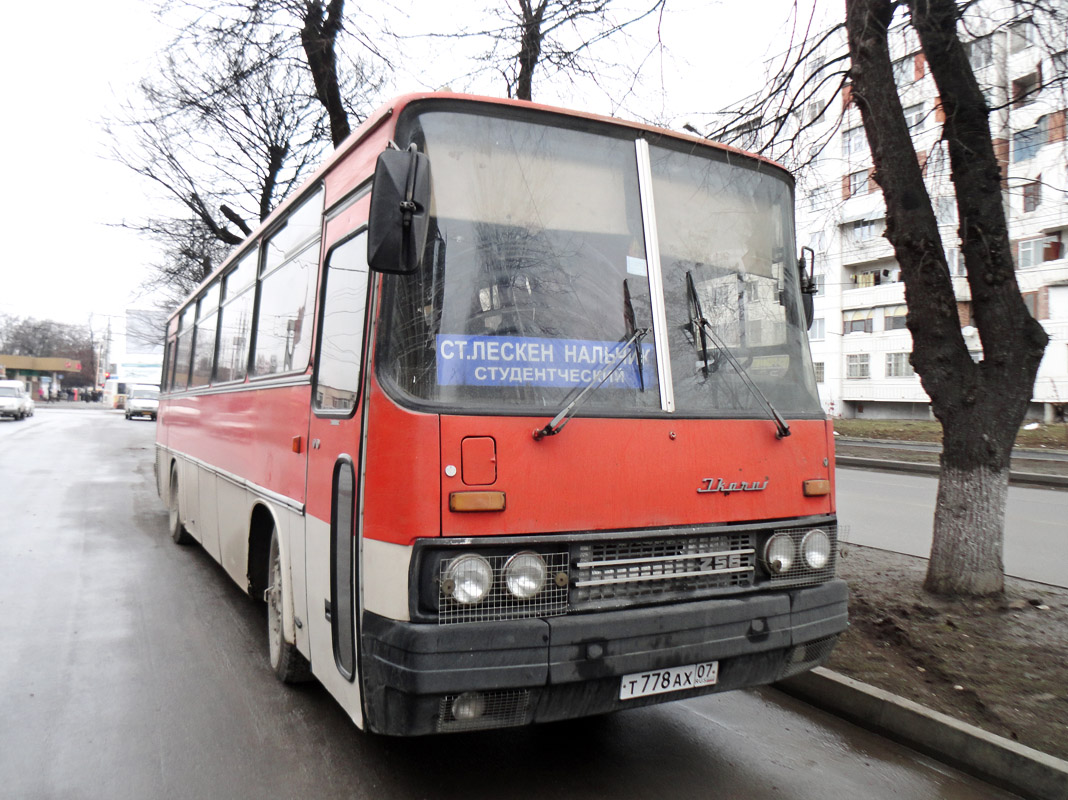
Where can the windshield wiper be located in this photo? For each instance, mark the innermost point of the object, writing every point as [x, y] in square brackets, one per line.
[704, 326]
[631, 326]
[557, 423]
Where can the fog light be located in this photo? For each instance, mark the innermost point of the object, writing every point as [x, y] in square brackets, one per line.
[469, 705]
[816, 548]
[524, 574]
[468, 579]
[779, 554]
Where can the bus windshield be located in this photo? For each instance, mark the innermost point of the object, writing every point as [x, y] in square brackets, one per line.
[536, 280]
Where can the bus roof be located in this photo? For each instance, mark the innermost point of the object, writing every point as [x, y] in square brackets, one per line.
[394, 107]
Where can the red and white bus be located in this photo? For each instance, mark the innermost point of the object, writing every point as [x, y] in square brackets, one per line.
[527, 431]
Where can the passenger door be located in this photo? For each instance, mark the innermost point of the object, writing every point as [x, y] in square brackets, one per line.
[334, 444]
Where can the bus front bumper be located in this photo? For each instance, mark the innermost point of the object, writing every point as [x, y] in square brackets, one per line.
[422, 679]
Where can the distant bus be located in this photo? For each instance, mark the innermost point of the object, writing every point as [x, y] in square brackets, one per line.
[114, 393]
[509, 416]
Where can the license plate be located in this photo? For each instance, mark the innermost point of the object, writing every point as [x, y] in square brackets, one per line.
[672, 679]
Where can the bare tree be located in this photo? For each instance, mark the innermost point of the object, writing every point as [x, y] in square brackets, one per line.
[559, 40]
[318, 36]
[979, 404]
[247, 100]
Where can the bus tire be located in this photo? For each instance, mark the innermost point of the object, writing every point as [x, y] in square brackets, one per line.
[174, 518]
[286, 661]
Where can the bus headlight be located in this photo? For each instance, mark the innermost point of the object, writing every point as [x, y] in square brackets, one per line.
[816, 548]
[779, 553]
[468, 579]
[524, 574]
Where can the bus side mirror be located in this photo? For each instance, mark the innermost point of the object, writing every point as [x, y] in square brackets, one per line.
[400, 212]
[807, 275]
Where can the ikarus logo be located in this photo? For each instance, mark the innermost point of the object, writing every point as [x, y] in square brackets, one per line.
[709, 485]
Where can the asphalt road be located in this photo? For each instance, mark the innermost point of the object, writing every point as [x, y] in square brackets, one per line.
[134, 668]
[895, 511]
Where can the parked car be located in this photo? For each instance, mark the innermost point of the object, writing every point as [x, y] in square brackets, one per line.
[142, 401]
[14, 402]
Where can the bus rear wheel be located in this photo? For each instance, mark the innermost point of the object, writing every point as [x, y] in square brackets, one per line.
[174, 518]
[286, 661]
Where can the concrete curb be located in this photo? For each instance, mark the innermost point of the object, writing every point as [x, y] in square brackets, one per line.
[1015, 478]
[992, 758]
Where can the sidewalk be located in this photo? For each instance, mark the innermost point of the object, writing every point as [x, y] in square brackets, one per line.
[995, 759]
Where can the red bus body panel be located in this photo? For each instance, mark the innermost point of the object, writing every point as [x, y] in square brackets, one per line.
[245, 433]
[614, 474]
[597, 474]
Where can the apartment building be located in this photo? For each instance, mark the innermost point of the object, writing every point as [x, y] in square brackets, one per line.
[860, 344]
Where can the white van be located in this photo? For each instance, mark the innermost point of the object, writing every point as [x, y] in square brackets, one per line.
[142, 401]
[14, 400]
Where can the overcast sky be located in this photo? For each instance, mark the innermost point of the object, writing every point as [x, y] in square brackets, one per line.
[68, 64]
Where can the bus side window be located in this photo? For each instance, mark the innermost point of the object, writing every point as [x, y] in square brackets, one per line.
[341, 339]
[184, 350]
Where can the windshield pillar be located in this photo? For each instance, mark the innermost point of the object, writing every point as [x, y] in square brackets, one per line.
[656, 276]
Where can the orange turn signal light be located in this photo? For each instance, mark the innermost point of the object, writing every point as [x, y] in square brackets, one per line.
[816, 488]
[476, 501]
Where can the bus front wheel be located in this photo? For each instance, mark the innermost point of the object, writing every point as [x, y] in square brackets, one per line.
[286, 661]
[174, 518]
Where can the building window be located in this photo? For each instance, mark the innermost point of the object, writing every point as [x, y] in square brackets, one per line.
[1060, 62]
[853, 141]
[814, 110]
[914, 117]
[1031, 252]
[857, 366]
[863, 230]
[1025, 89]
[1025, 143]
[859, 321]
[898, 366]
[903, 72]
[1032, 195]
[945, 208]
[894, 318]
[819, 371]
[858, 182]
[980, 52]
[818, 330]
[955, 262]
[1021, 35]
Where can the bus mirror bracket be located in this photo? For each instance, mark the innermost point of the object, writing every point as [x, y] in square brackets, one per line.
[807, 274]
[400, 211]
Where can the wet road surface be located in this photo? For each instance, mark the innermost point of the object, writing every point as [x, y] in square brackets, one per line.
[134, 668]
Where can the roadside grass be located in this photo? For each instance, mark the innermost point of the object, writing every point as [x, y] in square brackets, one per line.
[1053, 436]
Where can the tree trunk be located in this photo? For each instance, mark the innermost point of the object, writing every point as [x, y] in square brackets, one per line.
[979, 405]
[969, 519]
[319, 37]
[529, 47]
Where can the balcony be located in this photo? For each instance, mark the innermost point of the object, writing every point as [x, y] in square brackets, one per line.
[885, 294]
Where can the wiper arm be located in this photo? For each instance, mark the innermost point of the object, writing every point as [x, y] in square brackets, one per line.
[782, 429]
[696, 315]
[631, 327]
[557, 423]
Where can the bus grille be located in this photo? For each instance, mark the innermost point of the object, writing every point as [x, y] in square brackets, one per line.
[501, 709]
[608, 574]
